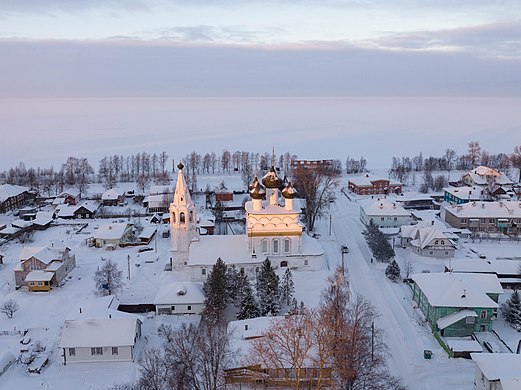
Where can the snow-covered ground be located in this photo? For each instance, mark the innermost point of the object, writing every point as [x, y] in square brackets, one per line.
[43, 313]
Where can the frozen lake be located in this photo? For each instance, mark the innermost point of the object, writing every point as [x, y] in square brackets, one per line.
[46, 131]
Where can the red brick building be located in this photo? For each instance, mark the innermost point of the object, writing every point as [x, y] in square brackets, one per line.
[373, 185]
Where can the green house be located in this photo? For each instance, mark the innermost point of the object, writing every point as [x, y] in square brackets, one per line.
[457, 305]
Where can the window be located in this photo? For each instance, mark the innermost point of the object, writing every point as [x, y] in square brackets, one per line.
[96, 351]
[306, 262]
[182, 218]
[436, 242]
[483, 314]
[382, 218]
[283, 263]
[446, 253]
[431, 252]
[72, 351]
[275, 245]
[264, 245]
[173, 217]
[287, 245]
[115, 351]
[442, 242]
[189, 307]
[469, 320]
[191, 216]
[203, 271]
[173, 308]
[396, 218]
[40, 283]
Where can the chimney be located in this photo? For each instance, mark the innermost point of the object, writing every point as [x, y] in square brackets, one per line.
[432, 222]
[464, 293]
[110, 315]
[80, 310]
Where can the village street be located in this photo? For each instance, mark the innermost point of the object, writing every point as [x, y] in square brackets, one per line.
[404, 336]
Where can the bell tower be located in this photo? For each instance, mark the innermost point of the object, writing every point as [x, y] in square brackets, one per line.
[183, 225]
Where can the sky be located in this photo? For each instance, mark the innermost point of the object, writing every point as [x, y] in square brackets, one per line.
[53, 51]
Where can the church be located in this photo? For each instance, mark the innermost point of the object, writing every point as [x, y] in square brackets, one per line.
[273, 231]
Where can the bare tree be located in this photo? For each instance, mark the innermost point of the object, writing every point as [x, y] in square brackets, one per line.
[408, 268]
[108, 279]
[515, 159]
[474, 152]
[317, 187]
[9, 307]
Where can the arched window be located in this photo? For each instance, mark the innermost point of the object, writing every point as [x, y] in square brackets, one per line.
[276, 245]
[182, 217]
[287, 245]
[264, 244]
[283, 263]
[191, 216]
[173, 217]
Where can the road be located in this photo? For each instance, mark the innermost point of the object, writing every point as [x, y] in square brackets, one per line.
[404, 336]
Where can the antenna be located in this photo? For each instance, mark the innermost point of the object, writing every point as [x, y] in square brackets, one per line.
[273, 156]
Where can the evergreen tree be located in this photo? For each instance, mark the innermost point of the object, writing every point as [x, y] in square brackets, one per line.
[371, 230]
[287, 289]
[232, 283]
[215, 292]
[268, 290]
[241, 285]
[378, 243]
[512, 310]
[393, 271]
[248, 306]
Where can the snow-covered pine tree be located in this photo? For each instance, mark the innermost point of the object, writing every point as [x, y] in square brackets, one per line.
[512, 310]
[232, 280]
[268, 290]
[393, 271]
[215, 292]
[241, 284]
[378, 243]
[370, 231]
[287, 289]
[248, 307]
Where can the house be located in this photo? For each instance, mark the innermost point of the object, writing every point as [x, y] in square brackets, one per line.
[112, 197]
[485, 217]
[96, 332]
[384, 213]
[113, 234]
[459, 195]
[13, 197]
[497, 371]
[180, 298]
[484, 176]
[71, 196]
[457, 305]
[147, 234]
[507, 271]
[417, 202]
[371, 185]
[273, 231]
[85, 210]
[42, 267]
[158, 199]
[427, 241]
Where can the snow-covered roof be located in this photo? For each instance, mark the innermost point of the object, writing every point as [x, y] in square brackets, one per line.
[74, 192]
[9, 190]
[468, 193]
[39, 276]
[42, 253]
[452, 318]
[112, 194]
[368, 179]
[68, 211]
[501, 267]
[423, 235]
[43, 218]
[180, 293]
[486, 210]
[381, 207]
[158, 200]
[111, 231]
[458, 290]
[148, 232]
[463, 345]
[505, 367]
[107, 332]
[252, 327]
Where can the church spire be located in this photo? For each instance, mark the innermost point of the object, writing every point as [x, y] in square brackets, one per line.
[181, 194]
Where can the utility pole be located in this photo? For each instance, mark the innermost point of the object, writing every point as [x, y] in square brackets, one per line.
[128, 264]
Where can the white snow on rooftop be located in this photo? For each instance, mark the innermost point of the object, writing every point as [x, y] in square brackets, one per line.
[98, 333]
[501, 267]
[179, 293]
[38, 276]
[452, 318]
[383, 207]
[486, 210]
[111, 231]
[367, 179]
[112, 194]
[469, 193]
[499, 366]
[8, 191]
[458, 290]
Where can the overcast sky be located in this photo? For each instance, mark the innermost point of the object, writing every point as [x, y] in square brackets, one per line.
[134, 48]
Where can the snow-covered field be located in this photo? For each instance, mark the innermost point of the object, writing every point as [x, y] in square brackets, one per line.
[43, 313]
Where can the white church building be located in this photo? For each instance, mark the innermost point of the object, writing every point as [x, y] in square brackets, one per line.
[273, 231]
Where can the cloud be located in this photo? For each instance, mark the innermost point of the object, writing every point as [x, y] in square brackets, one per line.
[495, 39]
[133, 68]
[68, 6]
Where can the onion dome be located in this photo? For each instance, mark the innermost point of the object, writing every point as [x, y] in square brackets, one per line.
[289, 192]
[180, 166]
[251, 186]
[257, 192]
[271, 180]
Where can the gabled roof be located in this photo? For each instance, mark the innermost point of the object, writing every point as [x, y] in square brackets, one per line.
[505, 367]
[465, 193]
[74, 192]
[368, 179]
[424, 235]
[111, 231]
[42, 253]
[107, 332]
[457, 290]
[486, 210]
[112, 194]
[9, 190]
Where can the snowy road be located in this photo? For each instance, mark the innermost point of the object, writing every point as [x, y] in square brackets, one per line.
[405, 338]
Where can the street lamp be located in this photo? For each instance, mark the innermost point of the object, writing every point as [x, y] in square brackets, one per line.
[344, 249]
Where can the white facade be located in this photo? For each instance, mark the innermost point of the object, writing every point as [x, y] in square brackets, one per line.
[180, 298]
[384, 214]
[497, 371]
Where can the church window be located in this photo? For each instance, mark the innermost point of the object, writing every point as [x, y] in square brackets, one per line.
[182, 217]
[284, 263]
[264, 245]
[203, 271]
[191, 216]
[173, 217]
[287, 245]
[275, 245]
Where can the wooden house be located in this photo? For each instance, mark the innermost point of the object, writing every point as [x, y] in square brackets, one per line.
[113, 234]
[13, 197]
[112, 197]
[372, 185]
[52, 264]
[427, 241]
[457, 305]
[498, 371]
[70, 196]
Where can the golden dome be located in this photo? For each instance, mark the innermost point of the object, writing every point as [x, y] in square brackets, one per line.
[289, 192]
[271, 180]
[257, 192]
